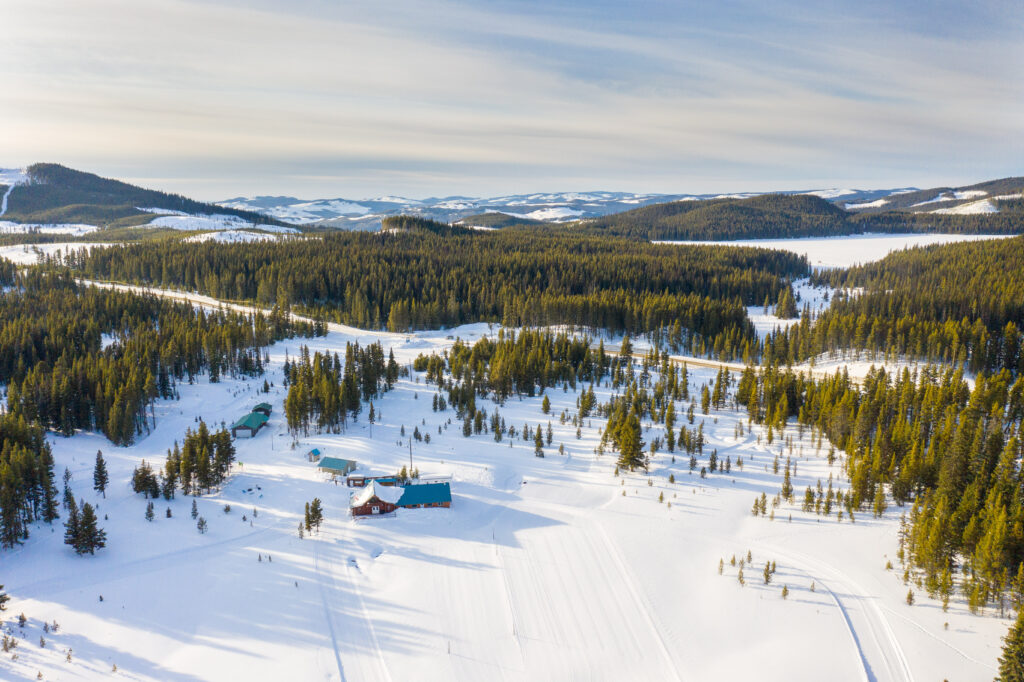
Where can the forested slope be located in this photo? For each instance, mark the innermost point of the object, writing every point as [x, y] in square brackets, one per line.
[417, 280]
[952, 303]
[950, 452]
[776, 216]
[56, 194]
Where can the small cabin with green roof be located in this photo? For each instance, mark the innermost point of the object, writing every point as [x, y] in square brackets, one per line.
[263, 408]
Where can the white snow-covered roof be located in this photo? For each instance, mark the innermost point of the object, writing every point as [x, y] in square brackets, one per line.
[384, 493]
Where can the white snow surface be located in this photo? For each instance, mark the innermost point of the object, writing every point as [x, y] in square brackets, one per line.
[217, 221]
[73, 229]
[30, 254]
[842, 252]
[971, 208]
[550, 214]
[833, 193]
[877, 203]
[233, 236]
[544, 568]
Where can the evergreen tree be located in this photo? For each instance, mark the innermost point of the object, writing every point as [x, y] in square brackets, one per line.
[316, 514]
[1011, 662]
[630, 445]
[71, 526]
[785, 308]
[90, 536]
[99, 475]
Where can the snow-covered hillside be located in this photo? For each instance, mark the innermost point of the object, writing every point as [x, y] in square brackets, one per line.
[543, 568]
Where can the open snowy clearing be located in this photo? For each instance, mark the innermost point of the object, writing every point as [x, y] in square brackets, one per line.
[233, 237]
[971, 208]
[544, 568]
[843, 252]
[30, 254]
[71, 229]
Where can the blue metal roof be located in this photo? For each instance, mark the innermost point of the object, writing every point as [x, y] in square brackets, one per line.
[427, 493]
[337, 463]
[315, 451]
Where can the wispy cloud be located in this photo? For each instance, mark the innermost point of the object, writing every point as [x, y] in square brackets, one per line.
[326, 98]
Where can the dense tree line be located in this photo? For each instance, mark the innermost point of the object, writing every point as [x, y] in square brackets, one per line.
[956, 303]
[952, 453]
[765, 216]
[418, 279]
[27, 491]
[511, 364]
[200, 464]
[779, 215]
[61, 374]
[324, 391]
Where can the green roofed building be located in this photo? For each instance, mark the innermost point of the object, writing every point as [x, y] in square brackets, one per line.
[249, 425]
[335, 466]
[263, 408]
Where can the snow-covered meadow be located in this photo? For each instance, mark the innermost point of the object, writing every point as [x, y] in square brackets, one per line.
[857, 249]
[543, 568]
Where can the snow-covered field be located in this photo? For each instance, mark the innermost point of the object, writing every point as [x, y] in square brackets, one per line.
[30, 254]
[233, 236]
[817, 298]
[841, 252]
[218, 221]
[71, 229]
[544, 568]
[971, 208]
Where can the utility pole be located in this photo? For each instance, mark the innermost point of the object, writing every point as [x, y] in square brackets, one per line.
[410, 456]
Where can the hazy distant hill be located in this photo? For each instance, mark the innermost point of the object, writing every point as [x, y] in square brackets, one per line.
[994, 207]
[992, 196]
[50, 193]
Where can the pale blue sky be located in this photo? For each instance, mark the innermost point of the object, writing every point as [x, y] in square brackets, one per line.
[360, 98]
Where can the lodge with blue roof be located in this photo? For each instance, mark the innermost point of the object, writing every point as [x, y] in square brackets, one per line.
[376, 499]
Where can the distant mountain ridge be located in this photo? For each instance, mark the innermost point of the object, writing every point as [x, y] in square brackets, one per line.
[545, 207]
[51, 198]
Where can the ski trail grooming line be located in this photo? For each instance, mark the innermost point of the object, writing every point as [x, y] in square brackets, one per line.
[386, 674]
[327, 610]
[878, 624]
[638, 598]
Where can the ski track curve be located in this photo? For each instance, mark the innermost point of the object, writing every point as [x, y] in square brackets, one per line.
[879, 628]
